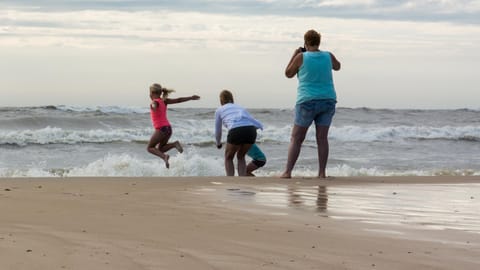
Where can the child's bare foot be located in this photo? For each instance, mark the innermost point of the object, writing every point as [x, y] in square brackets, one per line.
[167, 157]
[179, 147]
[286, 175]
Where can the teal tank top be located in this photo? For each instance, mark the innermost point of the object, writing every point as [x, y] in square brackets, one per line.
[315, 80]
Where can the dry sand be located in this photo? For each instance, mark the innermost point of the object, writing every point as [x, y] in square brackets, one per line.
[238, 223]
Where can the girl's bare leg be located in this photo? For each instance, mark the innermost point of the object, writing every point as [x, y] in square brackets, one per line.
[178, 146]
[250, 168]
[156, 139]
[241, 164]
[168, 146]
[230, 151]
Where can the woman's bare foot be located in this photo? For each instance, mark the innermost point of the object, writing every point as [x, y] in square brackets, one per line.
[179, 147]
[286, 175]
[167, 157]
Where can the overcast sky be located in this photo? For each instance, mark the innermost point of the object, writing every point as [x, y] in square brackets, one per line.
[394, 54]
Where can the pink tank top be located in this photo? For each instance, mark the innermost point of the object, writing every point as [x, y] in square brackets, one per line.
[159, 115]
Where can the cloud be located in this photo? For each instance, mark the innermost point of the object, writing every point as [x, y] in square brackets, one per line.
[457, 11]
[213, 42]
[163, 31]
[148, 25]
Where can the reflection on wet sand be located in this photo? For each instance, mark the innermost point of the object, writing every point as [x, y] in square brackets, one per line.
[322, 199]
[433, 206]
[300, 197]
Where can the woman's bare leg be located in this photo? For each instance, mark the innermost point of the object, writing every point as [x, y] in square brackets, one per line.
[322, 148]
[298, 136]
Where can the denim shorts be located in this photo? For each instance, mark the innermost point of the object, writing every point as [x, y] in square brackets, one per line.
[320, 110]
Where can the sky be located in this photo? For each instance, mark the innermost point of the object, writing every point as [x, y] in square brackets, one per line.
[395, 54]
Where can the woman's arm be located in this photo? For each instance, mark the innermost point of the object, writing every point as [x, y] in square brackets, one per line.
[294, 64]
[335, 63]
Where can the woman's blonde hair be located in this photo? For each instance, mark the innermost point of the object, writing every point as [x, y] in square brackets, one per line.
[226, 97]
[159, 90]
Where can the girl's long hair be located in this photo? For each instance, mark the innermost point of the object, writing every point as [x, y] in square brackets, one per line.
[159, 90]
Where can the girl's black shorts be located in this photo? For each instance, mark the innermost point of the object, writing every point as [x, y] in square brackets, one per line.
[242, 135]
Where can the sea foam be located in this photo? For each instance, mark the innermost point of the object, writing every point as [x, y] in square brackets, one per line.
[186, 164]
[192, 164]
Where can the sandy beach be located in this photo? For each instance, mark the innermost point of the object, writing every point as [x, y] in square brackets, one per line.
[240, 223]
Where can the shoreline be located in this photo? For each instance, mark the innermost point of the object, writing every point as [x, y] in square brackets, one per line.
[335, 180]
[224, 223]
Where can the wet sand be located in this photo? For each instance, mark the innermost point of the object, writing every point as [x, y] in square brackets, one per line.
[240, 223]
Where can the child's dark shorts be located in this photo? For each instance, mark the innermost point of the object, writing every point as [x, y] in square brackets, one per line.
[259, 163]
[167, 130]
[242, 135]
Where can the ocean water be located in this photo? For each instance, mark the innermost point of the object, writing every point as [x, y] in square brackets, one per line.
[66, 141]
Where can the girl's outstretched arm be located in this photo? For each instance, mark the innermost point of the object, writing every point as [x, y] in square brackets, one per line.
[181, 99]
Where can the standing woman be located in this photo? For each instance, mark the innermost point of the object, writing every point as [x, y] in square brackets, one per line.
[316, 99]
[242, 132]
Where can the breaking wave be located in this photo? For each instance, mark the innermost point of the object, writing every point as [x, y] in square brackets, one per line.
[203, 135]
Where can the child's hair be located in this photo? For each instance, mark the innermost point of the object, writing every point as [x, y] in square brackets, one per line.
[226, 97]
[159, 90]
